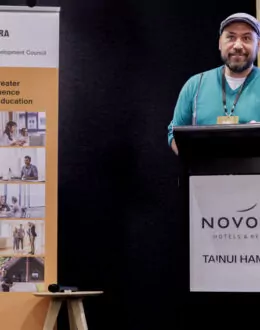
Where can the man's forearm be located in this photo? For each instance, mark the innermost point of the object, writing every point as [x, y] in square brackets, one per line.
[174, 147]
[31, 177]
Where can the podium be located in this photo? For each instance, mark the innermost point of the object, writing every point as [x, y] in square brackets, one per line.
[217, 141]
[220, 186]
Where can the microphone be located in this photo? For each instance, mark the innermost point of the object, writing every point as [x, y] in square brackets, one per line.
[58, 288]
[31, 3]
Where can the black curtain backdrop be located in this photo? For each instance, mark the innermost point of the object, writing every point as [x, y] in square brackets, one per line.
[122, 65]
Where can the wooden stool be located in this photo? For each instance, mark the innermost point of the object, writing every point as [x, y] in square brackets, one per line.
[75, 307]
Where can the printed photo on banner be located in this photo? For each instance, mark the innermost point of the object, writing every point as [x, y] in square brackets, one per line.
[22, 129]
[22, 237]
[22, 201]
[24, 274]
[26, 164]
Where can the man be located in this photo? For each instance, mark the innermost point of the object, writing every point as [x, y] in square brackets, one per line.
[32, 234]
[29, 171]
[4, 207]
[21, 234]
[16, 208]
[229, 94]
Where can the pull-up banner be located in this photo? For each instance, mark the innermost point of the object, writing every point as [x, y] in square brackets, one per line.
[29, 54]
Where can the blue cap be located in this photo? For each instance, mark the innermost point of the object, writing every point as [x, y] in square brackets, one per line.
[241, 17]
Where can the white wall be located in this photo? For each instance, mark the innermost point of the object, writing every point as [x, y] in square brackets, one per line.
[5, 229]
[13, 190]
[10, 158]
[36, 195]
[2, 189]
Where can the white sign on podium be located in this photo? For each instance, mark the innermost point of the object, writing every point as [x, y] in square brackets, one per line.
[225, 233]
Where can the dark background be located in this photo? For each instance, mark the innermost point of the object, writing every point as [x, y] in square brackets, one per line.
[122, 65]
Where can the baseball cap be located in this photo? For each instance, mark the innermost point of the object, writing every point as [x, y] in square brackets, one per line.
[241, 17]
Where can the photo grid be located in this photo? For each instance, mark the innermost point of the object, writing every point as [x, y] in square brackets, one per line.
[22, 201]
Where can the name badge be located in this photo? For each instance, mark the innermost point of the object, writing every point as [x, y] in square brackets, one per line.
[227, 120]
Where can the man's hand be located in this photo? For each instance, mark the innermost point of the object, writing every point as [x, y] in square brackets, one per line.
[174, 147]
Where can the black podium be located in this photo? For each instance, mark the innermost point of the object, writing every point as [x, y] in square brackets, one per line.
[216, 150]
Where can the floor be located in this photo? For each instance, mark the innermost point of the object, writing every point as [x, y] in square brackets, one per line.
[39, 250]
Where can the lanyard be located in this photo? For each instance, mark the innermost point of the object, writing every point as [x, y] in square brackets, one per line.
[237, 96]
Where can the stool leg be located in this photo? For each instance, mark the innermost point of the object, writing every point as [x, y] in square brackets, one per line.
[52, 314]
[71, 316]
[79, 314]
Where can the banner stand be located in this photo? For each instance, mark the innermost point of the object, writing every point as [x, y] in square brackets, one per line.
[29, 71]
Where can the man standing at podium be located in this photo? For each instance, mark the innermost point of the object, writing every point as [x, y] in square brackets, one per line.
[229, 94]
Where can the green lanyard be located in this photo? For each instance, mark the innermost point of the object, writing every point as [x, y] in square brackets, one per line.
[237, 96]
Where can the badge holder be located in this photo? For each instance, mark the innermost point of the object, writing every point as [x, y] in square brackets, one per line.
[228, 120]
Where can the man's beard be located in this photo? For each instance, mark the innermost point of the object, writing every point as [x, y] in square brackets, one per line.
[238, 67]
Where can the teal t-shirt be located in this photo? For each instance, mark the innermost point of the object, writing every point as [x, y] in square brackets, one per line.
[209, 104]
